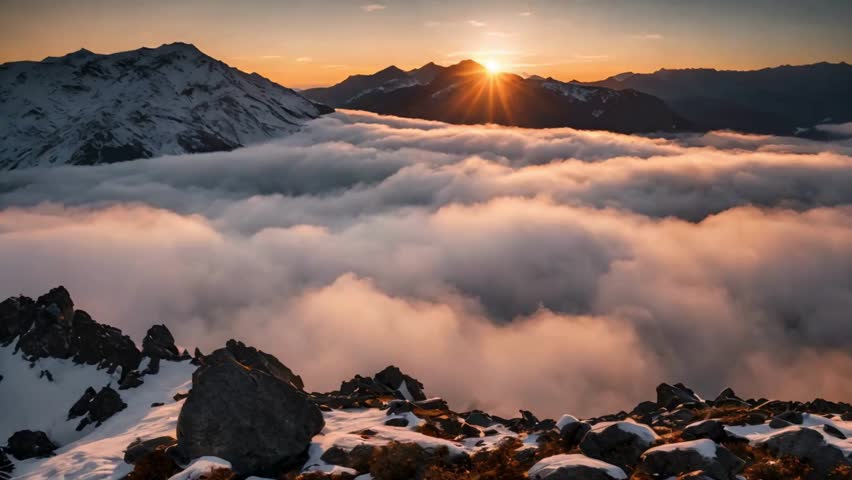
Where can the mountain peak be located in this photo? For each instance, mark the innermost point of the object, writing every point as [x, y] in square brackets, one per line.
[391, 69]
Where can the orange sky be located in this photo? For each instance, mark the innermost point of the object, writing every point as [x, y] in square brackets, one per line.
[309, 43]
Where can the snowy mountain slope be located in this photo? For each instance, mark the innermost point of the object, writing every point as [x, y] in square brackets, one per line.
[370, 429]
[84, 108]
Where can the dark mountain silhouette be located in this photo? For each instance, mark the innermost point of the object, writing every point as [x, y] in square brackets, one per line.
[466, 93]
[772, 100]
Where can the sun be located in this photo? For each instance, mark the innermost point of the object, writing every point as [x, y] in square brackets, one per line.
[492, 66]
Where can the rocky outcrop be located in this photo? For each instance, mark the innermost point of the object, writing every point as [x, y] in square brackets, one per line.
[140, 448]
[245, 407]
[30, 444]
[50, 327]
[160, 343]
[670, 396]
[618, 443]
[809, 445]
[700, 455]
[97, 407]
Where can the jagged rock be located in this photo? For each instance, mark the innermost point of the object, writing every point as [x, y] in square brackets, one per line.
[358, 458]
[139, 448]
[81, 406]
[46, 374]
[17, 315]
[791, 417]
[808, 445]
[676, 419]
[397, 422]
[823, 406]
[618, 443]
[572, 430]
[645, 412]
[153, 366]
[197, 357]
[478, 418]
[670, 396]
[6, 466]
[58, 331]
[26, 444]
[712, 429]
[679, 458]
[245, 408]
[834, 432]
[727, 393]
[132, 380]
[160, 343]
[574, 467]
[180, 396]
[779, 423]
[106, 403]
[394, 378]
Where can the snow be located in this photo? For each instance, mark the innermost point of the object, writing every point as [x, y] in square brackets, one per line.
[403, 389]
[199, 467]
[99, 454]
[758, 434]
[550, 465]
[566, 420]
[642, 431]
[149, 98]
[706, 448]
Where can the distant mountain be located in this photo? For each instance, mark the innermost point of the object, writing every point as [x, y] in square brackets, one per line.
[772, 100]
[84, 108]
[466, 93]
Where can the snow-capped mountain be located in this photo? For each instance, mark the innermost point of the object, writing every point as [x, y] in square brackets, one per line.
[80, 400]
[466, 93]
[85, 108]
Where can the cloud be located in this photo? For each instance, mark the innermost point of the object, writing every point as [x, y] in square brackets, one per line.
[373, 7]
[476, 23]
[304, 60]
[432, 24]
[580, 268]
[525, 14]
[648, 36]
[500, 34]
[270, 57]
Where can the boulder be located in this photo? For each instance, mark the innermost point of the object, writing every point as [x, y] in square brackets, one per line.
[572, 430]
[670, 396]
[806, 444]
[30, 444]
[245, 408]
[140, 448]
[574, 467]
[619, 443]
[100, 407]
[81, 406]
[357, 458]
[397, 422]
[160, 343]
[478, 418]
[712, 429]
[705, 455]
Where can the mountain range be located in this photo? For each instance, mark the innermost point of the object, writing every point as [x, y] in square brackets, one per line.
[84, 108]
[467, 93]
[784, 100]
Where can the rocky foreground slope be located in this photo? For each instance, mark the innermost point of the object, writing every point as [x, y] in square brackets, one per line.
[85, 108]
[81, 400]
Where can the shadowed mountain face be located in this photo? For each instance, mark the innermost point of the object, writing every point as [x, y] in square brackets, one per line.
[772, 100]
[84, 108]
[466, 93]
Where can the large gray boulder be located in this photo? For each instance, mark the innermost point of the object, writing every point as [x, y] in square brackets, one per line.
[809, 445]
[705, 455]
[618, 443]
[246, 413]
[574, 467]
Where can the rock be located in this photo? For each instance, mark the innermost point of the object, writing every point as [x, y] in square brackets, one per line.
[727, 393]
[157, 404]
[823, 406]
[132, 380]
[806, 444]
[58, 331]
[102, 406]
[30, 444]
[46, 374]
[6, 466]
[245, 407]
[160, 343]
[645, 412]
[618, 443]
[478, 418]
[81, 406]
[436, 403]
[834, 432]
[180, 396]
[696, 475]
[390, 382]
[397, 422]
[572, 430]
[358, 458]
[393, 378]
[792, 417]
[140, 448]
[712, 429]
[779, 423]
[670, 396]
[680, 458]
[17, 315]
[574, 467]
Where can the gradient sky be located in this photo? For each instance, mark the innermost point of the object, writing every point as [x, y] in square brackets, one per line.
[309, 43]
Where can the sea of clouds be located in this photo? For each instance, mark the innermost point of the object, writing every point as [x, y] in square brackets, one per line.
[557, 270]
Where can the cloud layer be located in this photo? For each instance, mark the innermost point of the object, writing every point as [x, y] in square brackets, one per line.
[558, 270]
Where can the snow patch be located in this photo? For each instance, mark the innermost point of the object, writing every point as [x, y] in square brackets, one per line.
[706, 448]
[550, 465]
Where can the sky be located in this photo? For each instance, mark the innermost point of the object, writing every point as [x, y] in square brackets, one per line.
[311, 43]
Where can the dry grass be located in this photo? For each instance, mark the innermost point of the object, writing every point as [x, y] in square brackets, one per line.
[761, 465]
[154, 466]
[498, 464]
[219, 474]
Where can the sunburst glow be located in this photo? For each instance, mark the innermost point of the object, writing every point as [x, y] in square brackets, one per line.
[492, 66]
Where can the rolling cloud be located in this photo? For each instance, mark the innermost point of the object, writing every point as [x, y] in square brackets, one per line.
[577, 268]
